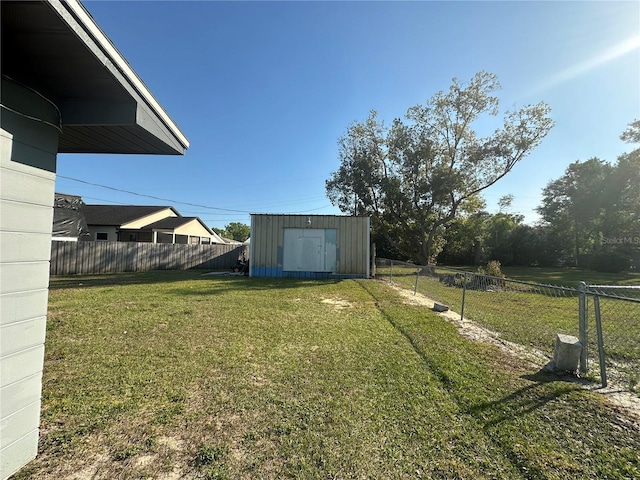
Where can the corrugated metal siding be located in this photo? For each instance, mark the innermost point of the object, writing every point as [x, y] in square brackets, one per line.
[27, 179]
[267, 240]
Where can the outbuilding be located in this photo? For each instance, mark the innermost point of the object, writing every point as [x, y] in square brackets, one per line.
[309, 246]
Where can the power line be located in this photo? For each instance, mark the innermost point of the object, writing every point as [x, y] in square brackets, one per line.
[152, 196]
[233, 211]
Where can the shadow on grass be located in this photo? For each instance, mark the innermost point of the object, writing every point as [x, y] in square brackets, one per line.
[215, 283]
[253, 284]
[546, 387]
[129, 278]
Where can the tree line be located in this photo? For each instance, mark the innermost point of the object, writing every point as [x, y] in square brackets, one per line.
[420, 180]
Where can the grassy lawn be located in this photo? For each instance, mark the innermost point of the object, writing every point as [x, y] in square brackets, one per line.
[532, 316]
[565, 276]
[570, 276]
[179, 375]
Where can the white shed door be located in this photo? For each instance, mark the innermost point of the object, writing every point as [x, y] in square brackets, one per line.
[309, 250]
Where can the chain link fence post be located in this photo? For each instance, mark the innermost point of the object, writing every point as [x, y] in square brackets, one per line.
[601, 357]
[582, 326]
[464, 294]
[415, 287]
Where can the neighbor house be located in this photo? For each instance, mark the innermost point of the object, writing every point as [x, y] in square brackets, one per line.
[65, 89]
[140, 223]
[309, 246]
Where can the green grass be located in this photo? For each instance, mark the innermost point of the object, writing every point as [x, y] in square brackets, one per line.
[173, 373]
[570, 277]
[532, 316]
[564, 276]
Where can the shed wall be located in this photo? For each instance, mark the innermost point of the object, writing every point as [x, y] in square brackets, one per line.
[27, 175]
[267, 242]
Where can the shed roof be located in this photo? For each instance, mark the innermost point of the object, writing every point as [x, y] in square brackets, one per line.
[55, 48]
[119, 214]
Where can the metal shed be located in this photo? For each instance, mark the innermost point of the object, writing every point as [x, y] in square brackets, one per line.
[309, 246]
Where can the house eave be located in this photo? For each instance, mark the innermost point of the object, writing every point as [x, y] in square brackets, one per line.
[56, 48]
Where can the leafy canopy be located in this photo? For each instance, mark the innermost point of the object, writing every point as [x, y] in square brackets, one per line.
[235, 230]
[594, 201]
[416, 176]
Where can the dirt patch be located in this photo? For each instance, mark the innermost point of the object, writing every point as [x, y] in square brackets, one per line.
[337, 303]
[627, 401]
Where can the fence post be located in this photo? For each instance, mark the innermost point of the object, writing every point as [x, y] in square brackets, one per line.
[464, 294]
[582, 326]
[415, 287]
[601, 357]
[373, 260]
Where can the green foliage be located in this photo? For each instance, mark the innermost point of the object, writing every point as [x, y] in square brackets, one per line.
[591, 218]
[576, 204]
[211, 461]
[127, 451]
[208, 454]
[595, 206]
[476, 238]
[238, 231]
[609, 262]
[632, 133]
[493, 269]
[415, 178]
[235, 230]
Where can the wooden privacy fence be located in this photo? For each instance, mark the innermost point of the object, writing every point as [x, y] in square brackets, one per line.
[81, 258]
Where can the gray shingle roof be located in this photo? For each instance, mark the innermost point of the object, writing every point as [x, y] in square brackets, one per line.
[118, 214]
[169, 223]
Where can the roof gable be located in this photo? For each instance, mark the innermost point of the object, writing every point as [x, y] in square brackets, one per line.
[118, 215]
[170, 223]
[195, 224]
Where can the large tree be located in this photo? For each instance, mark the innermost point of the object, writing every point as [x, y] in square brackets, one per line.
[238, 231]
[416, 176]
[235, 230]
[575, 204]
[596, 205]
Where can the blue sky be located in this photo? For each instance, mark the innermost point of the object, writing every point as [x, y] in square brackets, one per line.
[263, 90]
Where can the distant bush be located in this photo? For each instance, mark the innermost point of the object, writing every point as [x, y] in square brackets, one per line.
[493, 269]
[610, 262]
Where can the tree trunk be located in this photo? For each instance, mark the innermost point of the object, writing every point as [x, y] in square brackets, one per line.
[477, 252]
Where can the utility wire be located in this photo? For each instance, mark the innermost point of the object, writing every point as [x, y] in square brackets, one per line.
[233, 211]
[153, 197]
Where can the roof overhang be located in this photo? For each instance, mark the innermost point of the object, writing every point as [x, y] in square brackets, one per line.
[56, 48]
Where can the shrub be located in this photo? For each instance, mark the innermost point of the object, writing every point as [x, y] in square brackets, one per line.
[610, 262]
[492, 269]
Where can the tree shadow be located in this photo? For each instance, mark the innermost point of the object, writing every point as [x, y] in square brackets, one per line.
[117, 279]
[546, 387]
[216, 283]
[252, 284]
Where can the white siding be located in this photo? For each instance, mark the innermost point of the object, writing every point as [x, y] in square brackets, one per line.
[27, 182]
[112, 233]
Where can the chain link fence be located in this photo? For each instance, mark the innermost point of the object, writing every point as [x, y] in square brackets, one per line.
[618, 310]
[531, 314]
